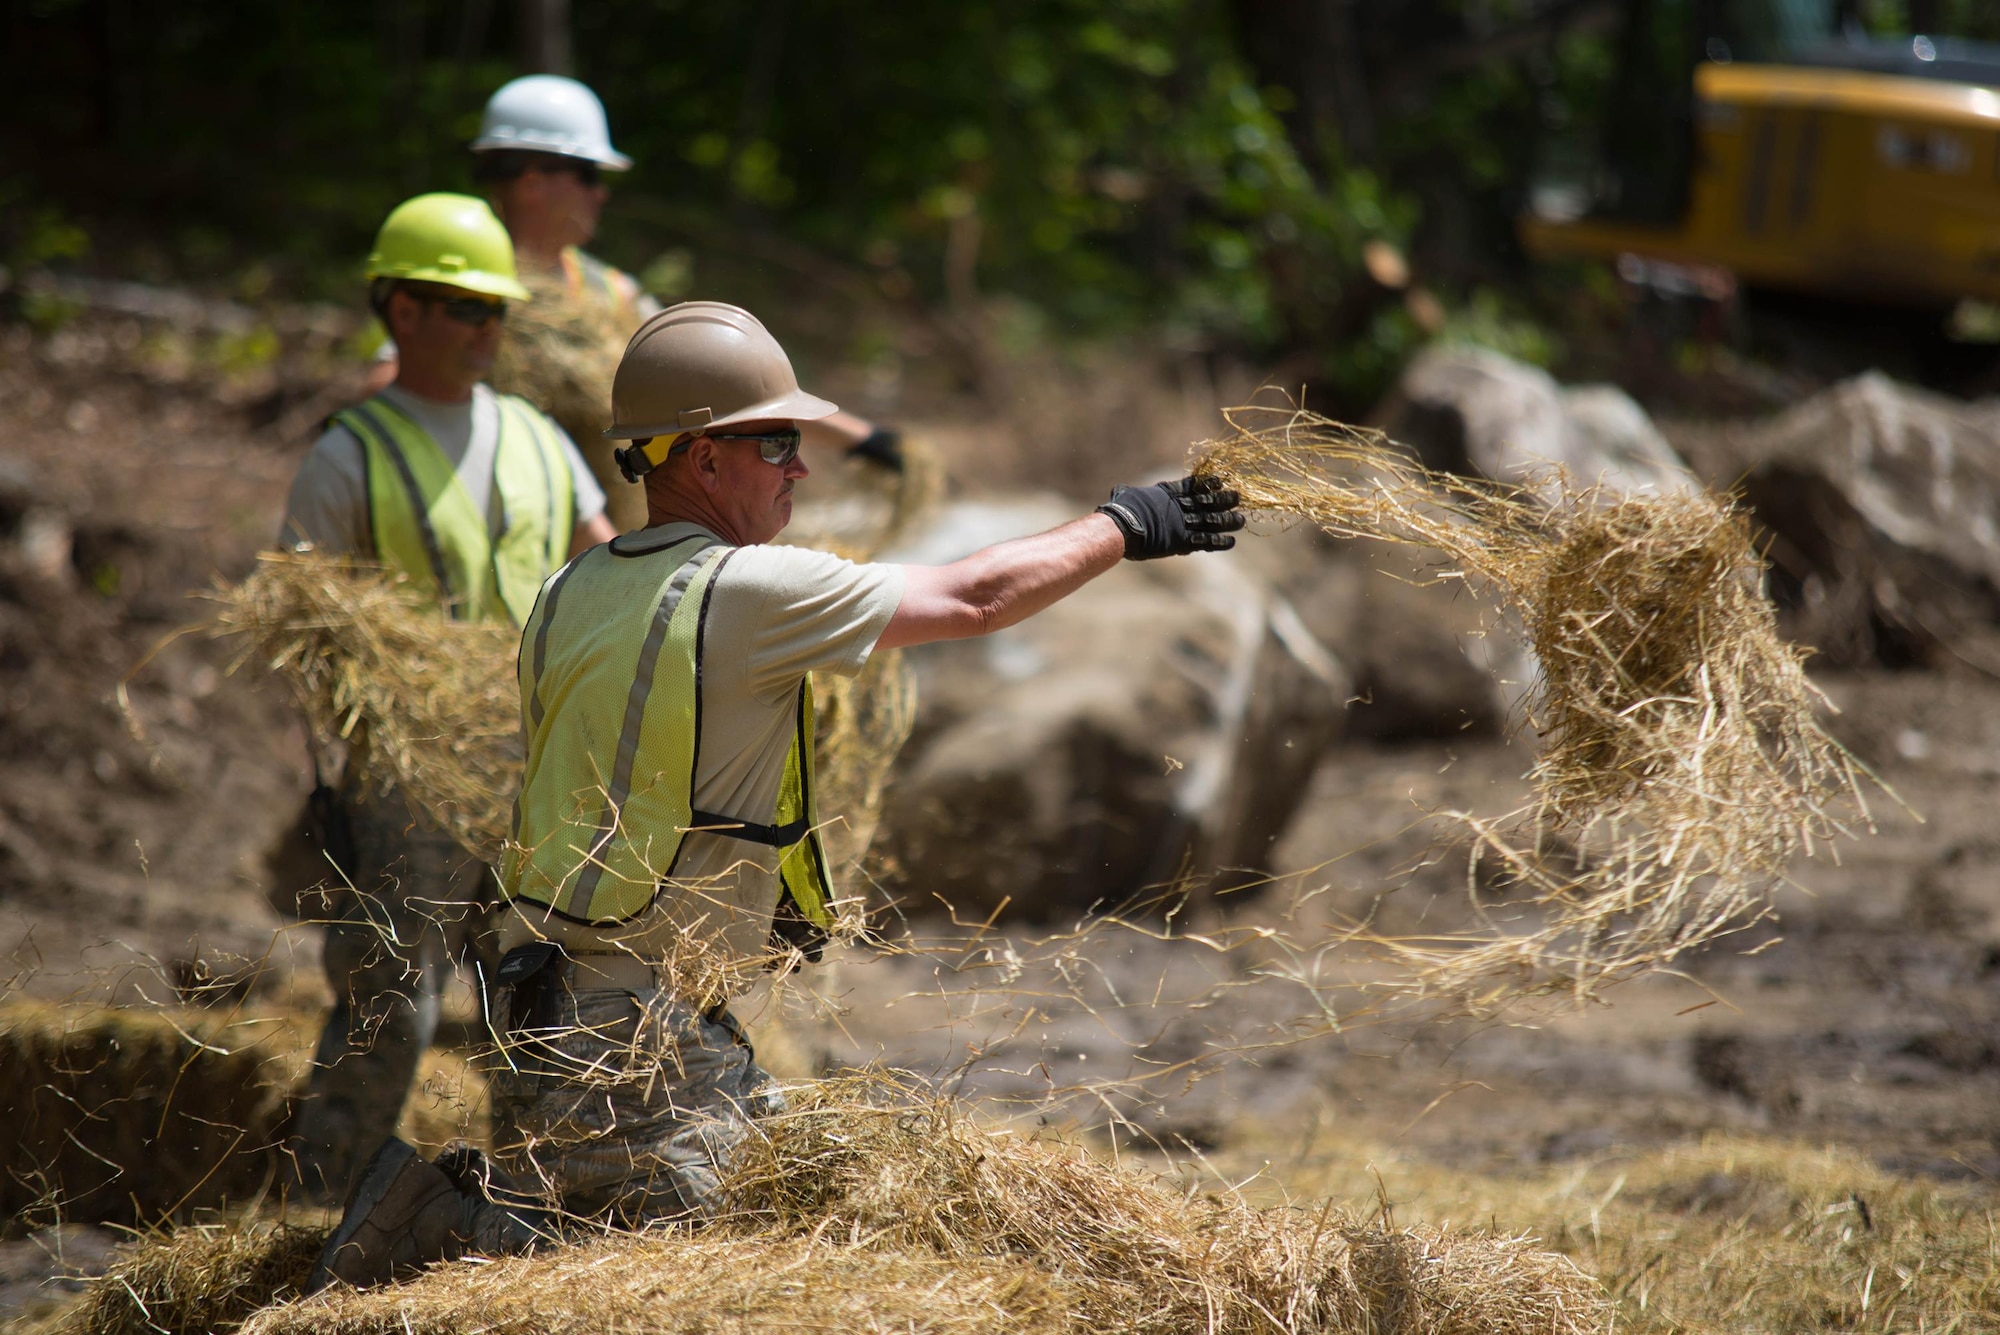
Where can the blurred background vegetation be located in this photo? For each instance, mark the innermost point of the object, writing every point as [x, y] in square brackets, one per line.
[1313, 185]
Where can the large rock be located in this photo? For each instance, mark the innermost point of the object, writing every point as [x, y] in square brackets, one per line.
[1421, 652]
[1476, 412]
[1883, 506]
[1161, 722]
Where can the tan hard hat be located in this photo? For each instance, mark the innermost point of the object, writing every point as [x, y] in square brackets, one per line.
[702, 365]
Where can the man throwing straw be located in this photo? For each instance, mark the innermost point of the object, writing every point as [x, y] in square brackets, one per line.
[666, 842]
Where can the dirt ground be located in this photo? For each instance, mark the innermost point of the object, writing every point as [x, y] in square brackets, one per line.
[1865, 1014]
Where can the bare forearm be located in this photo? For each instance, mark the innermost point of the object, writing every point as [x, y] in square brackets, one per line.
[1003, 584]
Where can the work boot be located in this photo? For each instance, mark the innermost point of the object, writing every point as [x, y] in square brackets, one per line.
[505, 1219]
[403, 1215]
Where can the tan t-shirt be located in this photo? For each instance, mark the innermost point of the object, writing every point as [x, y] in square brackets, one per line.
[775, 614]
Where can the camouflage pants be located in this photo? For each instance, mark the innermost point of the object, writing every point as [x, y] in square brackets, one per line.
[625, 1108]
[413, 904]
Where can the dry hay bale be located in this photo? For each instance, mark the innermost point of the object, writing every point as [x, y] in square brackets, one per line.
[432, 707]
[680, 1282]
[1682, 765]
[195, 1281]
[135, 1116]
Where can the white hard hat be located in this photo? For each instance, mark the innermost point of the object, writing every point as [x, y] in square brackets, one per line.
[546, 113]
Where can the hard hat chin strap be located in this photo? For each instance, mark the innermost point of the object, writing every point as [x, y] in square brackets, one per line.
[643, 456]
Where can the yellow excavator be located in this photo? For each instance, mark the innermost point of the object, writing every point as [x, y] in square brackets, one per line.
[1830, 163]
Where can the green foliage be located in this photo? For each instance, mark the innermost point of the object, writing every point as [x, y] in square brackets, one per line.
[1113, 165]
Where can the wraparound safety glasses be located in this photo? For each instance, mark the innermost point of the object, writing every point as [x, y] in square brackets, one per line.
[777, 448]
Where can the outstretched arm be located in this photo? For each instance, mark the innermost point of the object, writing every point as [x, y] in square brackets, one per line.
[1002, 584]
[1011, 581]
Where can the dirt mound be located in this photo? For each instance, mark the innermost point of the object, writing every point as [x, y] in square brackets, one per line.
[139, 465]
[92, 1094]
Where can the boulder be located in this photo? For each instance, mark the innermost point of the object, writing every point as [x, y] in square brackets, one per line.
[1882, 503]
[1422, 661]
[1159, 724]
[1476, 412]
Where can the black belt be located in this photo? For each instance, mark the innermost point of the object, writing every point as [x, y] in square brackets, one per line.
[729, 827]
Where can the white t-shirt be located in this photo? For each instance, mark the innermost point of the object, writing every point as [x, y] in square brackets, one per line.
[775, 614]
[329, 501]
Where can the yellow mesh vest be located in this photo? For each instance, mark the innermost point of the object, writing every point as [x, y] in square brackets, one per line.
[610, 669]
[423, 521]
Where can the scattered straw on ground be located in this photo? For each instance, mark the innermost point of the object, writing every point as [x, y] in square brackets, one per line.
[682, 1283]
[873, 1208]
[1682, 763]
[1722, 1234]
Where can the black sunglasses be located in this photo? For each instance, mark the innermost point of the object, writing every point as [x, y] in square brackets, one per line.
[584, 171]
[466, 310]
[776, 448]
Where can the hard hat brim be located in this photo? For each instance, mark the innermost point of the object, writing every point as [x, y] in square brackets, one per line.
[485, 284]
[610, 159]
[797, 406]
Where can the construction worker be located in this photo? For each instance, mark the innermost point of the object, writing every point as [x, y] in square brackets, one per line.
[476, 497]
[666, 842]
[542, 152]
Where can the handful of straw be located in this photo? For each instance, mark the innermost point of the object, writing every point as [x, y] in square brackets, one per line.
[428, 706]
[1682, 763]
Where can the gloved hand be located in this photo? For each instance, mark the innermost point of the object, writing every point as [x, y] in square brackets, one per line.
[1195, 514]
[883, 446]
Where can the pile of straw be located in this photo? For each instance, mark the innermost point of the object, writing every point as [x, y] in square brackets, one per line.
[903, 1171]
[869, 1208]
[1682, 762]
[196, 1281]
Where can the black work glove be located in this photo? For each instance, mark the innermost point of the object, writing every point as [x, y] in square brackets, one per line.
[1195, 514]
[884, 446]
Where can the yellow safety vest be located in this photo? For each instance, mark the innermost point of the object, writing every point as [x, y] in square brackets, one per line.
[423, 521]
[611, 671]
[585, 274]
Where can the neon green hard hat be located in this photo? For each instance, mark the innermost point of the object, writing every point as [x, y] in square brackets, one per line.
[450, 239]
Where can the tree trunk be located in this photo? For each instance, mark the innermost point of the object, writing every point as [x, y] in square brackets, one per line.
[545, 37]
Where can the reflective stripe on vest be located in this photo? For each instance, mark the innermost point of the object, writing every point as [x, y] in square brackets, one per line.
[423, 521]
[611, 679]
